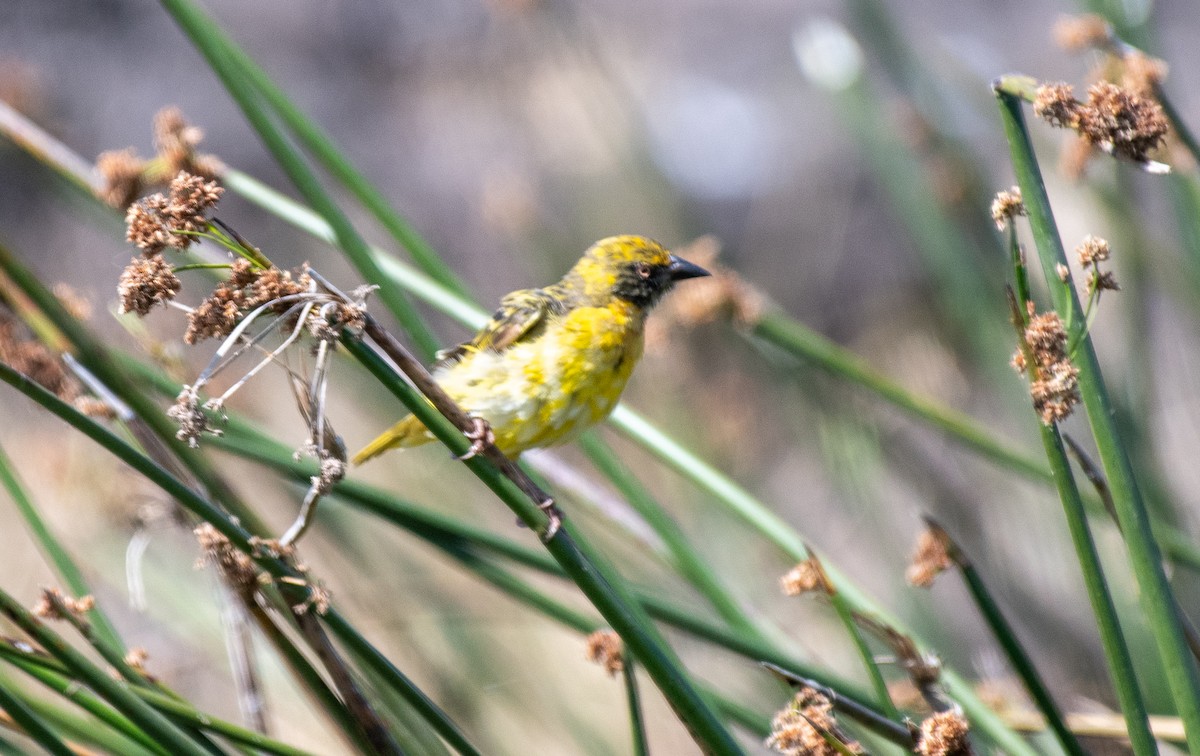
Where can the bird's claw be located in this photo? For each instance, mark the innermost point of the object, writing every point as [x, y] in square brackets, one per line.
[481, 437]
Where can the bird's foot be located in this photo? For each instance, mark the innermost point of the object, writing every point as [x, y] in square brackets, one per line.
[556, 519]
[481, 437]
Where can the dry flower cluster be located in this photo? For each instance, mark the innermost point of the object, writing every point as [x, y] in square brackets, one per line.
[802, 727]
[805, 577]
[1115, 119]
[156, 223]
[945, 734]
[604, 647]
[247, 289]
[1054, 383]
[293, 305]
[172, 220]
[1006, 206]
[54, 603]
[1131, 67]
[126, 176]
[932, 557]
[25, 354]
[1091, 252]
[236, 567]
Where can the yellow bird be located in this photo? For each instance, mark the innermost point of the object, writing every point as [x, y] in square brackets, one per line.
[554, 361]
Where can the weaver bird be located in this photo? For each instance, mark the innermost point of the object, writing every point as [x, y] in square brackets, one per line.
[553, 361]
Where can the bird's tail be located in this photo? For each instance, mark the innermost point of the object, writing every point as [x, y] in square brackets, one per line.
[407, 432]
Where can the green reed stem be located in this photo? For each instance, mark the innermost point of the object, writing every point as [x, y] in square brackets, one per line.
[1144, 555]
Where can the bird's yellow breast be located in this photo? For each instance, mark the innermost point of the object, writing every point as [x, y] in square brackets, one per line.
[548, 390]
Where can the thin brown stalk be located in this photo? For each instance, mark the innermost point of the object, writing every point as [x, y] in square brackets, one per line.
[416, 372]
[373, 728]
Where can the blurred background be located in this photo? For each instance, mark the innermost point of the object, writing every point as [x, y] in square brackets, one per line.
[842, 155]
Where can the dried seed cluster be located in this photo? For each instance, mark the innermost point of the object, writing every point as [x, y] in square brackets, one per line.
[53, 603]
[126, 176]
[805, 577]
[604, 647]
[145, 282]
[945, 734]
[235, 565]
[1055, 381]
[797, 730]
[1006, 206]
[1116, 119]
[246, 289]
[1091, 252]
[160, 221]
[25, 354]
[931, 559]
[724, 295]
[192, 420]
[1079, 33]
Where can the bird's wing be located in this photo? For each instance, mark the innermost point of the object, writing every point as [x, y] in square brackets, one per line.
[521, 316]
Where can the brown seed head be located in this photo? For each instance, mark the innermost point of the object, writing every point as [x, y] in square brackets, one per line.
[192, 420]
[191, 200]
[1092, 249]
[604, 647]
[235, 565]
[145, 282]
[53, 603]
[1056, 392]
[1056, 104]
[945, 734]
[1006, 206]
[122, 171]
[177, 140]
[25, 354]
[1055, 385]
[1142, 73]
[1117, 119]
[246, 289]
[805, 577]
[932, 557]
[1047, 338]
[1102, 281]
[146, 226]
[797, 729]
[1078, 33]
[722, 295]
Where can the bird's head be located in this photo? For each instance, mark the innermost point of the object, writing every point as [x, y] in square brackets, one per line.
[632, 268]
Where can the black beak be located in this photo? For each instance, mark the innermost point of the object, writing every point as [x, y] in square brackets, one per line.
[680, 269]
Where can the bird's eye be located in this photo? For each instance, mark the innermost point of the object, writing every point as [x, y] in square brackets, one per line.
[643, 270]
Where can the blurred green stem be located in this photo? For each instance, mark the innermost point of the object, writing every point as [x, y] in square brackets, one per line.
[118, 694]
[321, 145]
[1013, 648]
[687, 560]
[295, 585]
[30, 723]
[583, 564]
[64, 565]
[57, 678]
[636, 724]
[212, 44]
